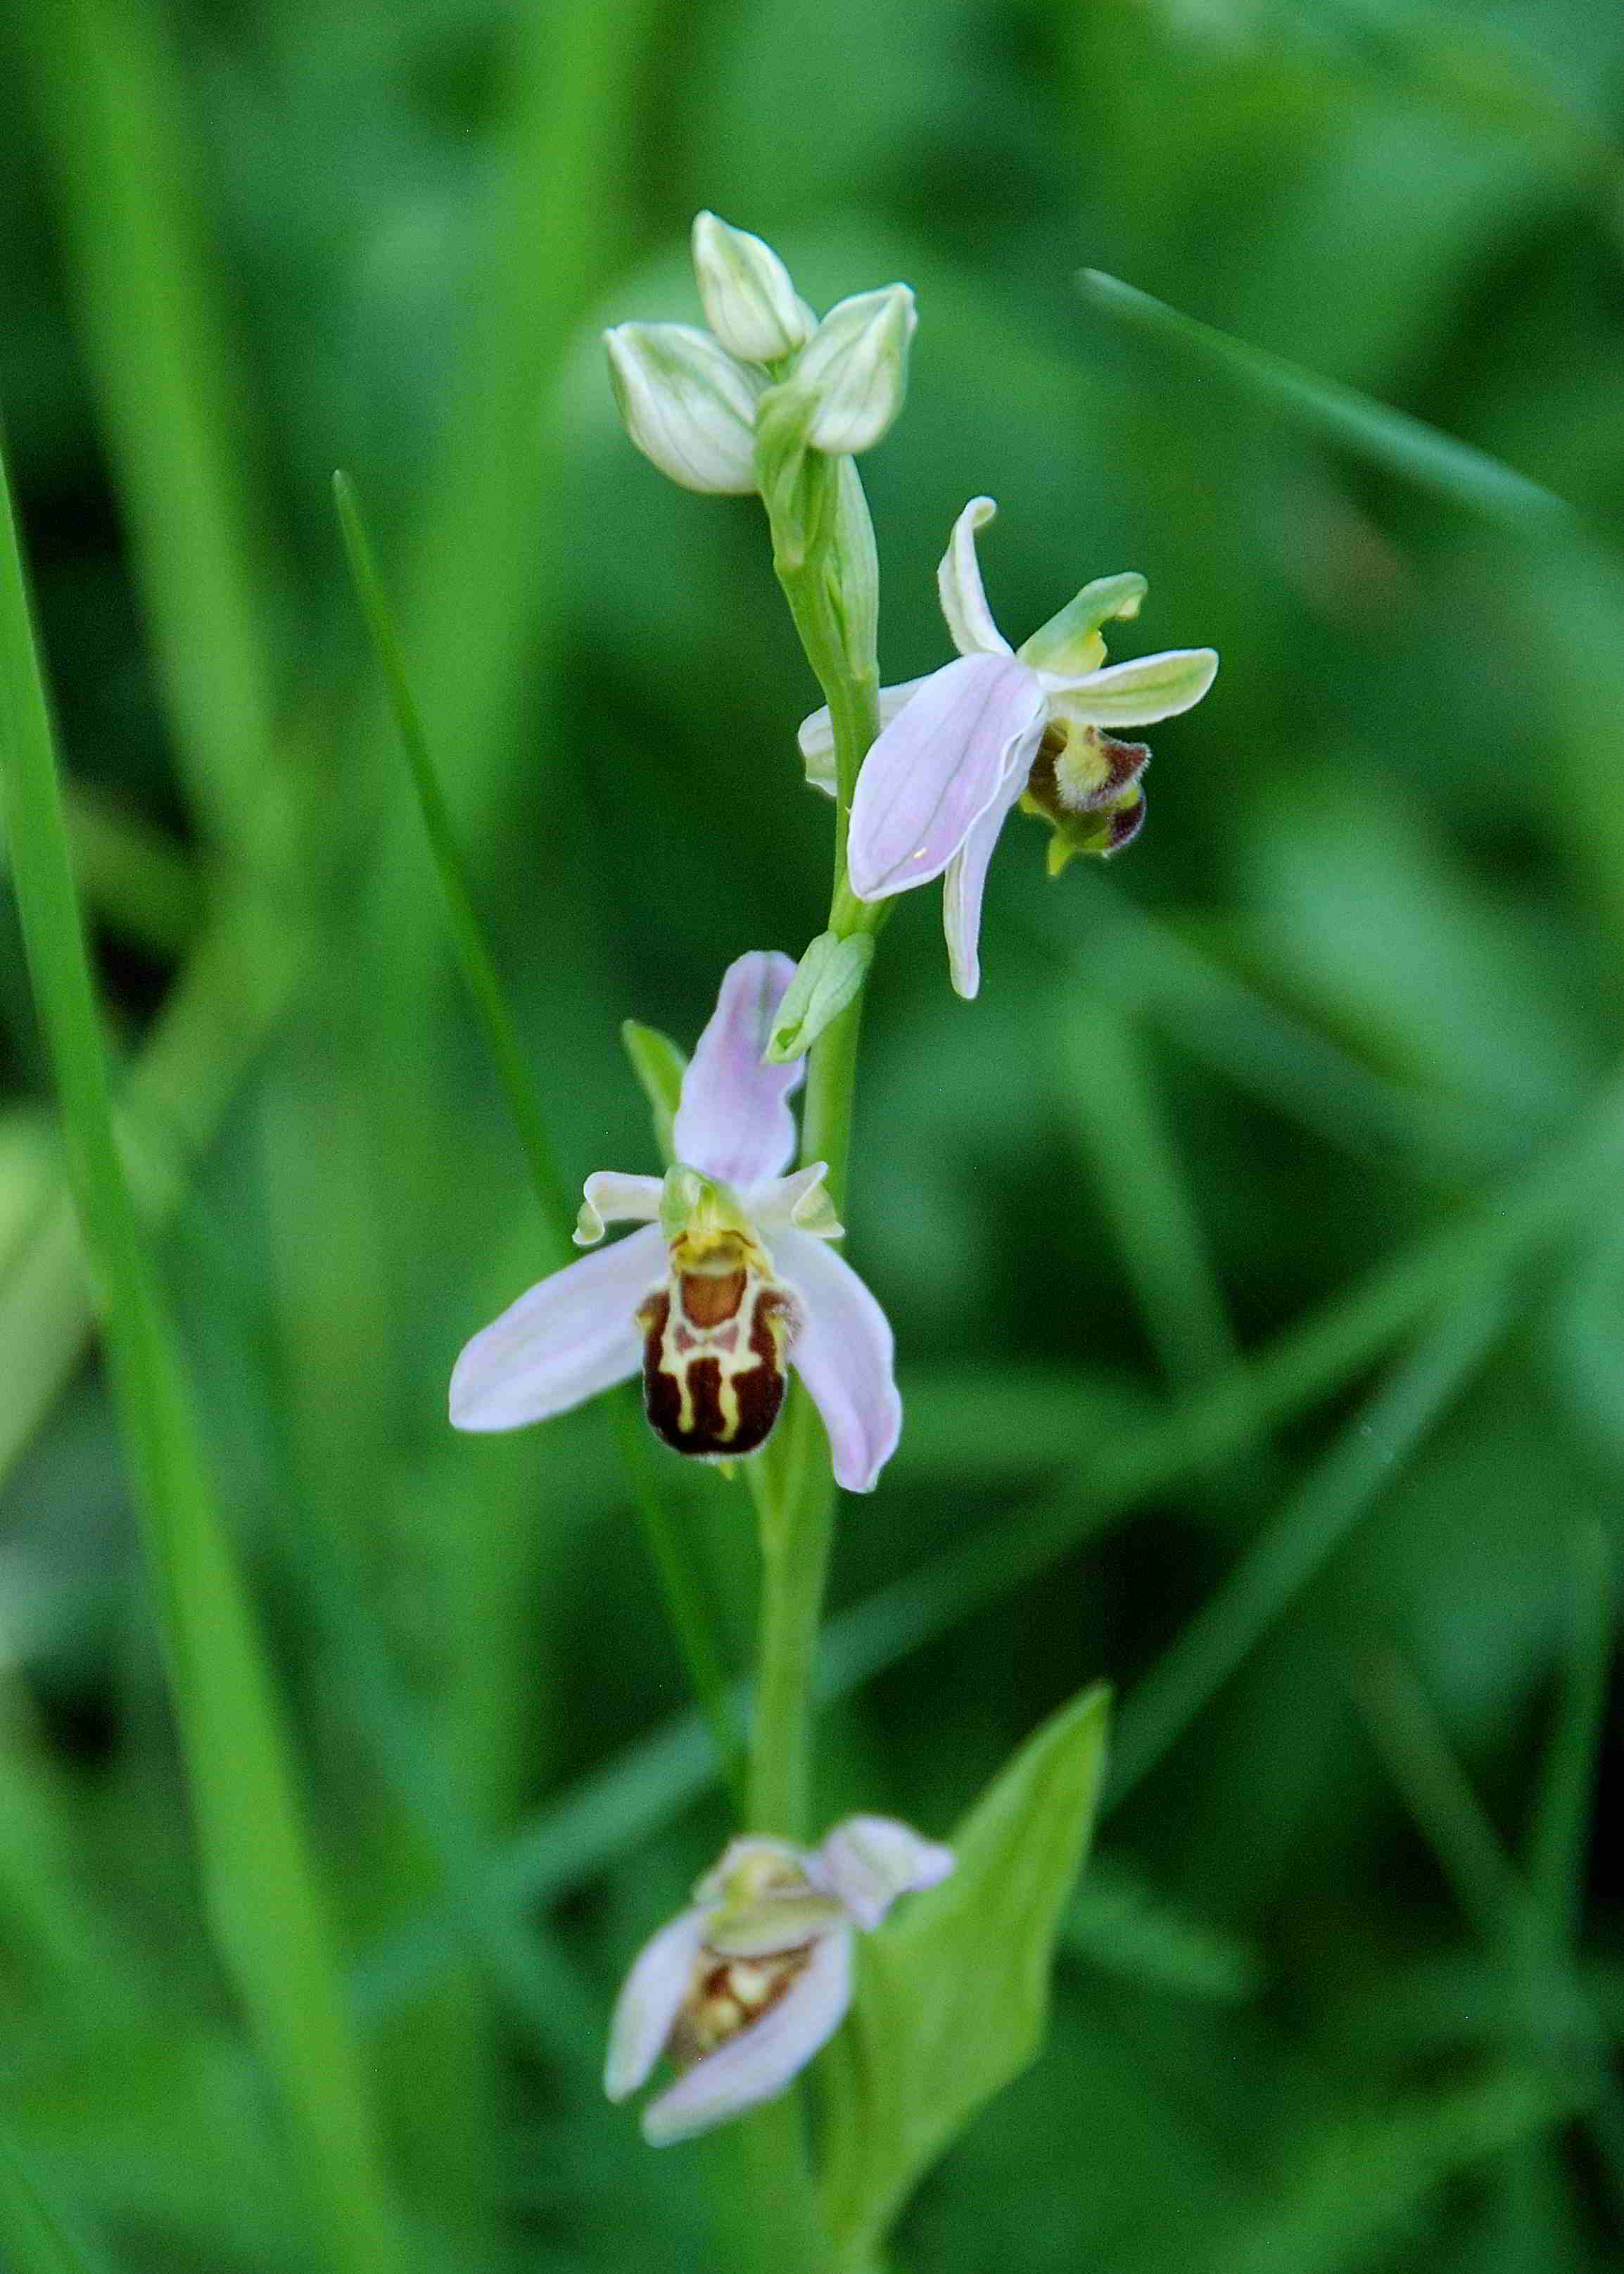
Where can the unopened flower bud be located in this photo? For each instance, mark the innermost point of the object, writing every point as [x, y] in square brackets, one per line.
[750, 303]
[688, 405]
[852, 373]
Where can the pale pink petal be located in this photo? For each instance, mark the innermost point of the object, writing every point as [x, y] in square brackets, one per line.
[1139, 693]
[759, 2062]
[959, 581]
[816, 735]
[868, 1860]
[940, 763]
[569, 1337]
[610, 1198]
[650, 1998]
[963, 887]
[844, 1354]
[734, 1122]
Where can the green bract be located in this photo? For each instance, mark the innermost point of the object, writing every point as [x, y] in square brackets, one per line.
[952, 2000]
[828, 976]
[659, 1064]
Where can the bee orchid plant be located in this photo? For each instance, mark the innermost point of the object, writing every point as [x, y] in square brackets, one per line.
[728, 1288]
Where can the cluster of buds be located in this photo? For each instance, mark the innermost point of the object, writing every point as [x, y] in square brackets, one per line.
[698, 404]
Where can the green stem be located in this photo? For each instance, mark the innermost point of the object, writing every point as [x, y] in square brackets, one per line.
[795, 1489]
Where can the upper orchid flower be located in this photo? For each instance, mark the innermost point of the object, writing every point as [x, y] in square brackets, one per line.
[742, 1989]
[959, 749]
[731, 1277]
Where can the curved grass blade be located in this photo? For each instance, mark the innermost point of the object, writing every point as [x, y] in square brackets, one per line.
[1392, 438]
[1541, 1972]
[1371, 1451]
[265, 1902]
[33, 2238]
[123, 156]
[683, 1599]
[1557, 1843]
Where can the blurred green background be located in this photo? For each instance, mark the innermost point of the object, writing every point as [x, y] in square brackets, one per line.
[1257, 1273]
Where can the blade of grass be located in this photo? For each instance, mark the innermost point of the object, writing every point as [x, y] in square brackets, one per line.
[1570, 2034]
[207, 1036]
[35, 2241]
[480, 584]
[259, 1876]
[1312, 1525]
[1360, 2183]
[684, 1600]
[1224, 1023]
[629, 1797]
[1142, 1189]
[123, 156]
[1560, 1832]
[1391, 439]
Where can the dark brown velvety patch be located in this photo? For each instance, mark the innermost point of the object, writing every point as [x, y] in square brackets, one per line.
[708, 1425]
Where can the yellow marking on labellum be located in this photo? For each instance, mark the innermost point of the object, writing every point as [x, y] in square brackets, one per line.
[715, 1340]
[728, 1996]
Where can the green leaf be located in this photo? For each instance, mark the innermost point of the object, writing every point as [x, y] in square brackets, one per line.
[268, 1905]
[659, 1066]
[953, 1998]
[828, 976]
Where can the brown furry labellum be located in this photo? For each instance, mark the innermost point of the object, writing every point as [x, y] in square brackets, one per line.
[715, 1340]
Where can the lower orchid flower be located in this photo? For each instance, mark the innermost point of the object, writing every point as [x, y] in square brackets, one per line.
[958, 751]
[744, 1987]
[730, 1279]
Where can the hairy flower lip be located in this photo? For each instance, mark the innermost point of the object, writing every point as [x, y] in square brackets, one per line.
[576, 1333]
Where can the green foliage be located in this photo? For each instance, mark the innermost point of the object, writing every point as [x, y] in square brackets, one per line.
[952, 1997]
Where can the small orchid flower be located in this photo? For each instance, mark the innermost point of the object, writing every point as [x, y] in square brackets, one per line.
[744, 1987]
[959, 749]
[731, 1277]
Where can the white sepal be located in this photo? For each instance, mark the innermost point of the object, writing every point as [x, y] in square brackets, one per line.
[852, 374]
[750, 303]
[688, 405]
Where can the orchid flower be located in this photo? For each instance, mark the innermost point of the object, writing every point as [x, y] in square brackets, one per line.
[959, 749]
[731, 1277]
[742, 1989]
